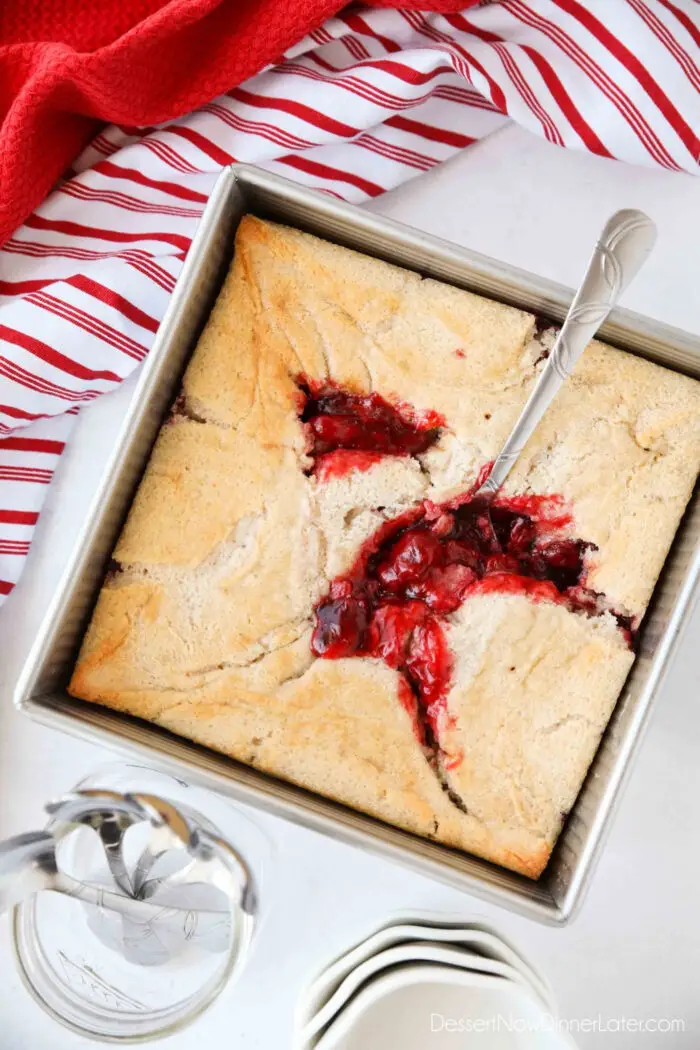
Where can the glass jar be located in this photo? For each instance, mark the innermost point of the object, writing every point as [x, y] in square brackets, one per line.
[123, 977]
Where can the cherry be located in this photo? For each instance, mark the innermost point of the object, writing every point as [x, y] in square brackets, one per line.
[429, 662]
[391, 628]
[409, 559]
[560, 554]
[502, 563]
[341, 588]
[560, 561]
[332, 431]
[443, 589]
[464, 552]
[340, 627]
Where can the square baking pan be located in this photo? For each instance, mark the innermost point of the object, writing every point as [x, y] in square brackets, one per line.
[41, 690]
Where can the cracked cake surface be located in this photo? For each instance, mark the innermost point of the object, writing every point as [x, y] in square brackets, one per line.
[302, 583]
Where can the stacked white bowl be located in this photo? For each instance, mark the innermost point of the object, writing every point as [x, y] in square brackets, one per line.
[425, 982]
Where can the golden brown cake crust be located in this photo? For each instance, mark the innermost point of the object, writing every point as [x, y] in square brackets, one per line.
[229, 545]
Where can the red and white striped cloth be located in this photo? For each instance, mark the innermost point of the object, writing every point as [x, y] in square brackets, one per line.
[373, 98]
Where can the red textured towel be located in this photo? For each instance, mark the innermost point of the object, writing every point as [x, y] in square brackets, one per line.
[68, 65]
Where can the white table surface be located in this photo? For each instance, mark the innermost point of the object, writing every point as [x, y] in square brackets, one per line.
[634, 950]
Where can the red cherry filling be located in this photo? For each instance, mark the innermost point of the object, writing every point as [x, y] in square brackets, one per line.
[341, 462]
[340, 423]
[429, 664]
[559, 561]
[444, 588]
[421, 566]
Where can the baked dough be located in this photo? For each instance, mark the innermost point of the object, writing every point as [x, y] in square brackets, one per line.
[231, 543]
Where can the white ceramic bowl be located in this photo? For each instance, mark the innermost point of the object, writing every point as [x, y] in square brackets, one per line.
[412, 952]
[422, 1006]
[472, 936]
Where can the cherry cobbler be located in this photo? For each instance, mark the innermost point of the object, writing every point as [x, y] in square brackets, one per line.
[307, 583]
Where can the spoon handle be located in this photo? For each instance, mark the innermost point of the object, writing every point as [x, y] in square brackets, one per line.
[27, 865]
[625, 242]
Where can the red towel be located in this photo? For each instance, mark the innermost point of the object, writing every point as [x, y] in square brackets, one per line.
[66, 66]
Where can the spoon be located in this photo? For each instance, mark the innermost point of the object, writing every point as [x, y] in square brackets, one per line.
[28, 862]
[28, 866]
[209, 858]
[112, 828]
[625, 241]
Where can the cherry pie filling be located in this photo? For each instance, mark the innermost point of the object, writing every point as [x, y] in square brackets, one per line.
[348, 431]
[421, 566]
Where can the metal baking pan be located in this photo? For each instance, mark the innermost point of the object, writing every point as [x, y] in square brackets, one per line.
[41, 689]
